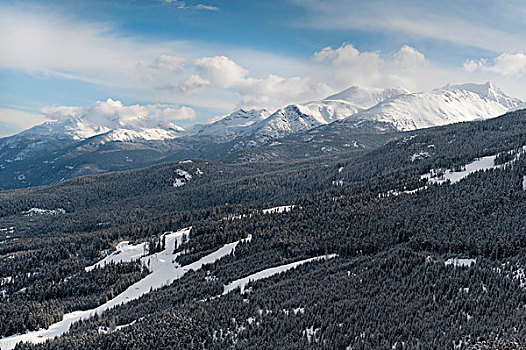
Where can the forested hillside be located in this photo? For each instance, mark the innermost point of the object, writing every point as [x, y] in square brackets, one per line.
[419, 265]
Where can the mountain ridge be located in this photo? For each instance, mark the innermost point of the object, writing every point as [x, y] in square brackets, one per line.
[109, 136]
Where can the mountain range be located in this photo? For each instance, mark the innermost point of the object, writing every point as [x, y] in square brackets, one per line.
[95, 140]
[417, 244]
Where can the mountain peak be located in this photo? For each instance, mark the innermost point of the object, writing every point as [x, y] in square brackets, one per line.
[110, 115]
[365, 97]
[488, 91]
[485, 89]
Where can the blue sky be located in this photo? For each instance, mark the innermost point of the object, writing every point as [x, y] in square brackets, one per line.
[204, 58]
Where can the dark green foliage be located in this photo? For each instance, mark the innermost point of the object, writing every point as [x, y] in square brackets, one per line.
[389, 288]
[38, 299]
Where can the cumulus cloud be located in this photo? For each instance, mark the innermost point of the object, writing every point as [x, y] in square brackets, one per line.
[62, 112]
[220, 71]
[507, 64]
[113, 114]
[346, 66]
[346, 55]
[408, 56]
[179, 113]
[207, 75]
[277, 91]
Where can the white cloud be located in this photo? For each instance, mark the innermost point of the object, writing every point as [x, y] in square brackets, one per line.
[492, 26]
[168, 73]
[346, 55]
[348, 66]
[177, 72]
[72, 49]
[114, 113]
[62, 112]
[220, 71]
[20, 120]
[409, 57]
[345, 66]
[183, 6]
[207, 77]
[207, 7]
[180, 113]
[193, 84]
[275, 91]
[506, 64]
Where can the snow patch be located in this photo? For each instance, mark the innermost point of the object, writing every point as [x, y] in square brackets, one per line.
[311, 333]
[456, 262]
[124, 252]
[38, 211]
[396, 193]
[182, 178]
[485, 163]
[278, 210]
[106, 330]
[338, 183]
[7, 230]
[6, 280]
[419, 156]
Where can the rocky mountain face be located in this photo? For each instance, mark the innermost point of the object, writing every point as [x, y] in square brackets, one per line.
[109, 137]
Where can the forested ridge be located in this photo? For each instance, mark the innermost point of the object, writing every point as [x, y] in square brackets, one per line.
[390, 287]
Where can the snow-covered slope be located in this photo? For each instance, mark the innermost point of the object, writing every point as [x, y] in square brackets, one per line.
[363, 97]
[110, 117]
[164, 271]
[490, 92]
[447, 105]
[301, 117]
[231, 125]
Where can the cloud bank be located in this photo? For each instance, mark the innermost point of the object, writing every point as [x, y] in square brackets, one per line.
[116, 113]
[173, 79]
[507, 64]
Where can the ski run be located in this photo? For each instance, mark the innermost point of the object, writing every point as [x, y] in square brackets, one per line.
[242, 282]
[164, 271]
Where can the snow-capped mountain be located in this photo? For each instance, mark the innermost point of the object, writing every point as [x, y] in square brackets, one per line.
[490, 92]
[399, 107]
[450, 104]
[229, 126]
[111, 118]
[301, 117]
[365, 98]
[109, 136]
[80, 129]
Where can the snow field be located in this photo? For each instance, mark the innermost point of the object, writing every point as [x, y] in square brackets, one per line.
[163, 272]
